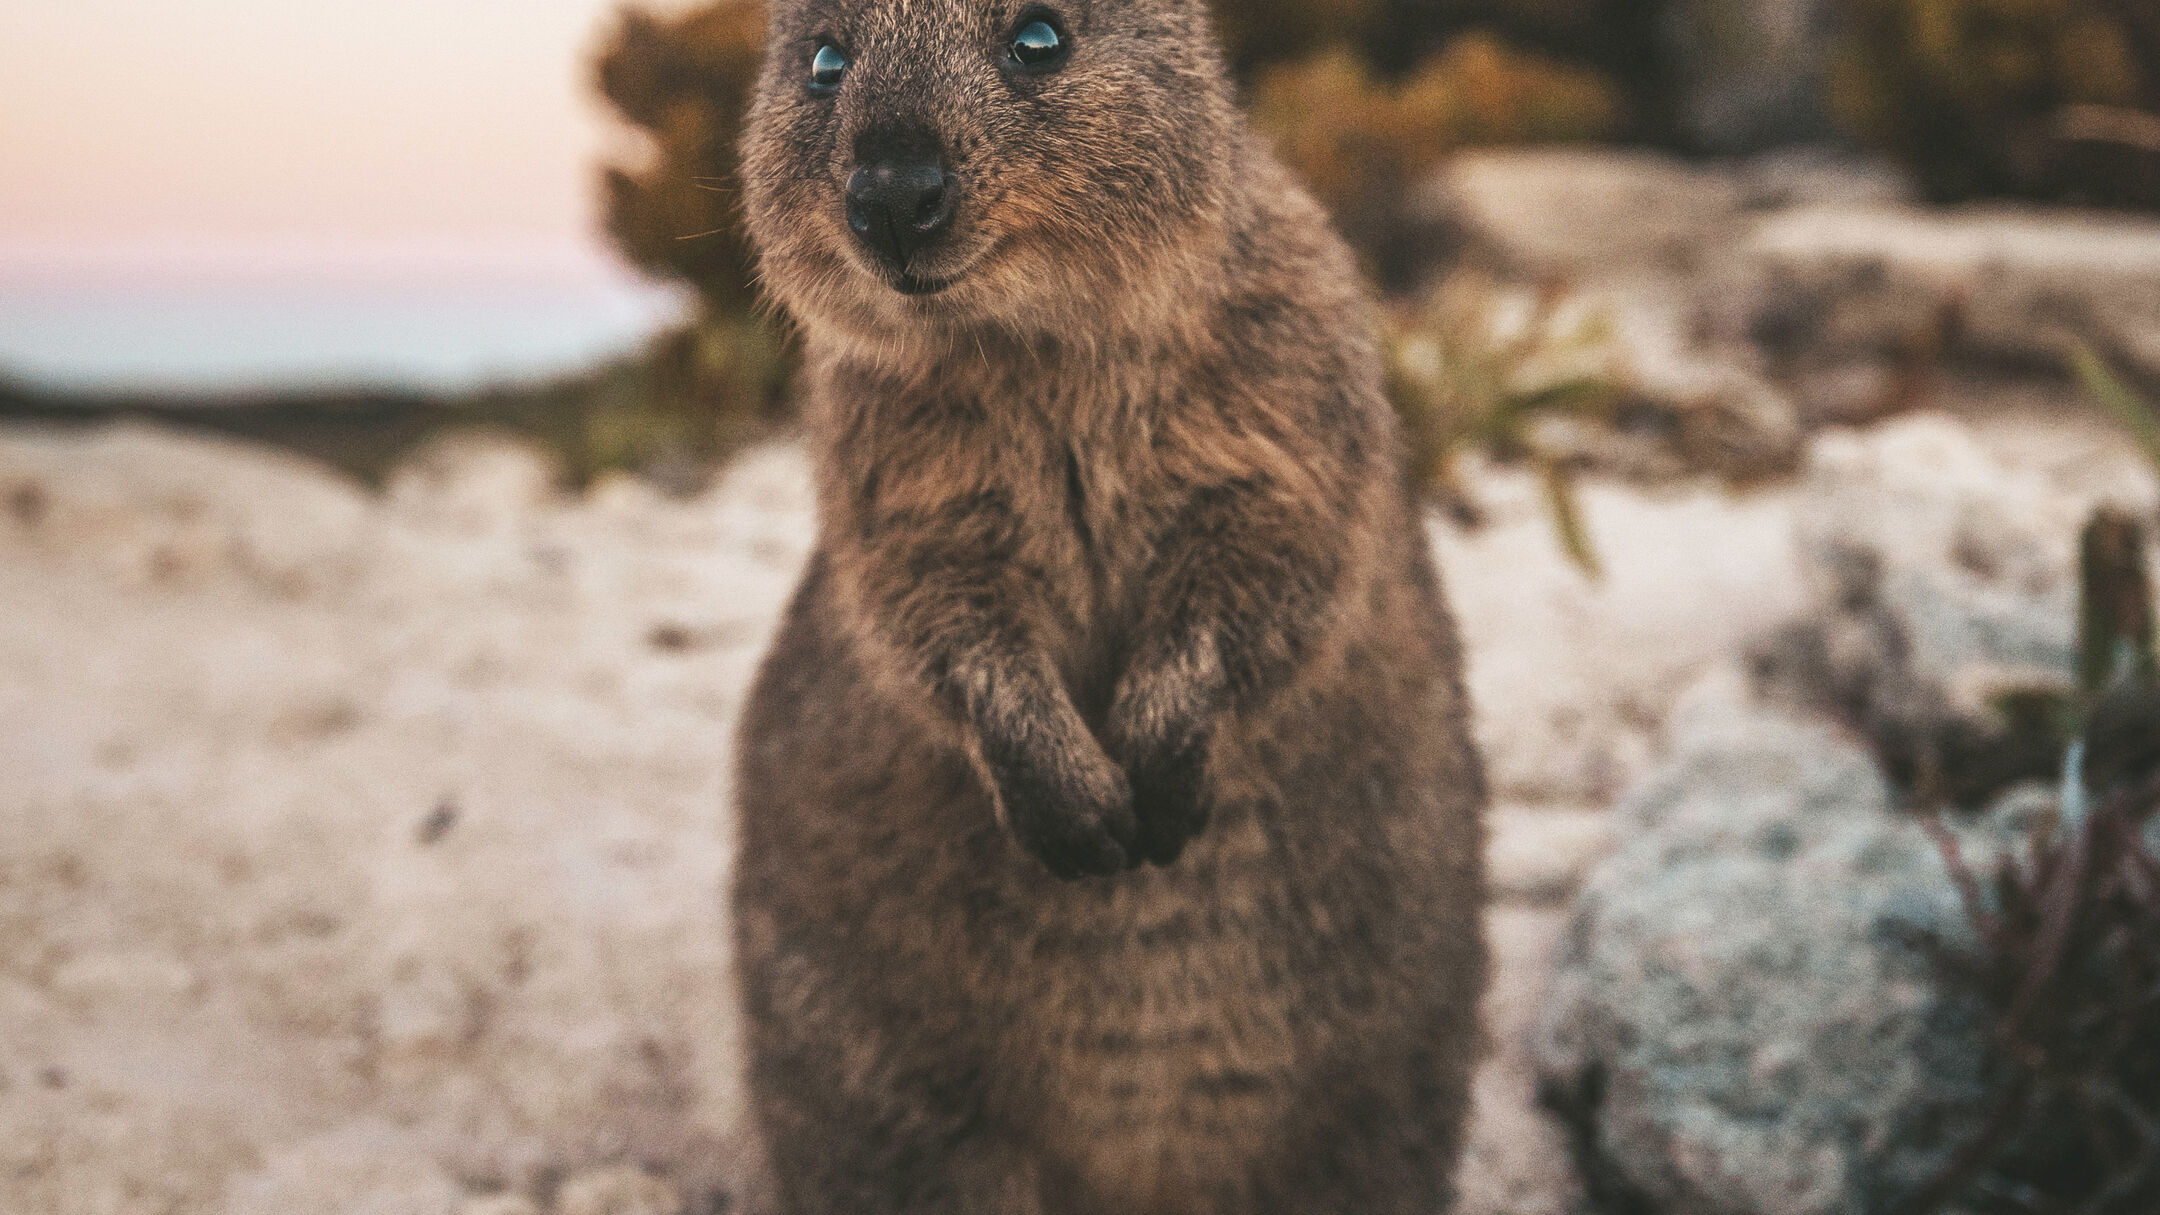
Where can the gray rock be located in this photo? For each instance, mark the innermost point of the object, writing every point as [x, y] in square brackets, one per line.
[1822, 176]
[1724, 416]
[1585, 213]
[1864, 280]
[1941, 579]
[1848, 394]
[1976, 561]
[1742, 1022]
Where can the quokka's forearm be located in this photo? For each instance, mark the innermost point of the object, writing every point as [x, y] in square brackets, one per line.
[961, 627]
[1237, 599]
[1243, 589]
[958, 628]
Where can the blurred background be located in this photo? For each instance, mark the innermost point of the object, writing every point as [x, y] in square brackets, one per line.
[528, 211]
[398, 487]
[250, 196]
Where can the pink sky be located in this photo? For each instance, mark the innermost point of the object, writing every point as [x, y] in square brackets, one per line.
[194, 128]
[206, 194]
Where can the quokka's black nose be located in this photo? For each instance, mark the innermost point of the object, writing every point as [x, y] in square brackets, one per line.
[898, 206]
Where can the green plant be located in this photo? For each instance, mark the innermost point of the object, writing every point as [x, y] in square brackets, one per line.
[1459, 384]
[2067, 966]
[2101, 383]
[2067, 925]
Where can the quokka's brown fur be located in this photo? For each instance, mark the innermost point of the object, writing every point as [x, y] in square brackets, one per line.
[1110, 828]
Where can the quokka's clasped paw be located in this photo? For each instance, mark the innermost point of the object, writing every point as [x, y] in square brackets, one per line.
[1073, 810]
[1170, 797]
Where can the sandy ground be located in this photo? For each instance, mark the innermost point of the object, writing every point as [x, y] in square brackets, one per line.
[363, 853]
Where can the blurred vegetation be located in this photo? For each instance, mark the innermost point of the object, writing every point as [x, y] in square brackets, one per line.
[1465, 382]
[2067, 932]
[681, 82]
[1481, 370]
[671, 412]
[1362, 97]
[2101, 383]
[1363, 140]
[2064, 952]
[2050, 99]
[2066, 968]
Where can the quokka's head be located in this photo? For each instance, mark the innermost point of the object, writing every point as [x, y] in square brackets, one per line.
[986, 164]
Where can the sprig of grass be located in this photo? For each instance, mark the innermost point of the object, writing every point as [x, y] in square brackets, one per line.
[2103, 385]
[1461, 386]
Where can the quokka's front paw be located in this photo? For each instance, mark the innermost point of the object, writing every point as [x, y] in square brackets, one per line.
[1160, 726]
[1073, 810]
[1169, 791]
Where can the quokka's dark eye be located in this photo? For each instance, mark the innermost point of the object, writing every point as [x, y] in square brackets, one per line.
[826, 68]
[1038, 45]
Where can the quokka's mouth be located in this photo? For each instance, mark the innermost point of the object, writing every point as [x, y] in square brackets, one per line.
[909, 284]
[917, 285]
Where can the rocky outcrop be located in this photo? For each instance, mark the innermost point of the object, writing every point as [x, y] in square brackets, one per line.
[1943, 581]
[1743, 1020]
[364, 854]
[1824, 265]
[1577, 213]
[2010, 284]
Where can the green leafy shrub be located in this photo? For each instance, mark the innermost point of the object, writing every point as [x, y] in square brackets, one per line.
[682, 82]
[2038, 98]
[1462, 381]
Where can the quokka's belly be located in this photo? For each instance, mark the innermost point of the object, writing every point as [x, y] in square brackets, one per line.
[1157, 1042]
[1165, 1101]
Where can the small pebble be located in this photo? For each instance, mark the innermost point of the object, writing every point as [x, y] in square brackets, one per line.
[671, 637]
[438, 822]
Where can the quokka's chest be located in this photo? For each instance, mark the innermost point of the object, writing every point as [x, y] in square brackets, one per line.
[1086, 527]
